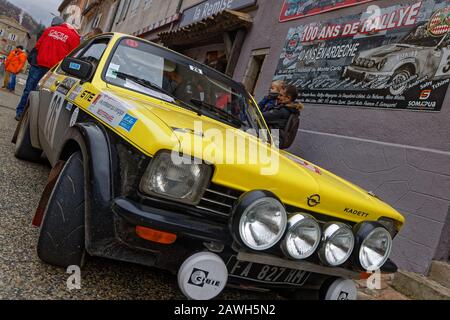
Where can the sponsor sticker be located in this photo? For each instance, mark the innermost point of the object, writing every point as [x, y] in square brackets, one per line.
[132, 43]
[112, 71]
[87, 95]
[75, 92]
[50, 81]
[128, 122]
[305, 164]
[112, 111]
[69, 82]
[75, 66]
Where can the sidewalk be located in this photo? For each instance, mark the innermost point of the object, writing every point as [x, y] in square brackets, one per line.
[387, 292]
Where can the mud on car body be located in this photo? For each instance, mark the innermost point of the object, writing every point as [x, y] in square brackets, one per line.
[108, 119]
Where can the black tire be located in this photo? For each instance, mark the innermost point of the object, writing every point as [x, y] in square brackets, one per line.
[61, 237]
[400, 75]
[24, 150]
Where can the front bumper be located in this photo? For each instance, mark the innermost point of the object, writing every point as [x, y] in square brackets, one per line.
[193, 235]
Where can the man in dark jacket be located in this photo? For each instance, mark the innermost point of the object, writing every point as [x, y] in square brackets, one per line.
[55, 43]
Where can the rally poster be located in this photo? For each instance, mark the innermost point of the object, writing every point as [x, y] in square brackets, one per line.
[395, 57]
[295, 9]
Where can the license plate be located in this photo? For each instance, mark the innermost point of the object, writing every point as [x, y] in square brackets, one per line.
[265, 273]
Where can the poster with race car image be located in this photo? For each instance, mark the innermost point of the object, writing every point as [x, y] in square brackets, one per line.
[395, 57]
[295, 9]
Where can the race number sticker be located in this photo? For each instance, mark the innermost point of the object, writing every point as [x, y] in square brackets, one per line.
[113, 111]
[53, 114]
[444, 67]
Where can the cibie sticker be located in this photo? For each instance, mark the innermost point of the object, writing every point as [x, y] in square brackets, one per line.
[112, 111]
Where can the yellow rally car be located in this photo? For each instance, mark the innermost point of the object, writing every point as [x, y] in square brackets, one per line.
[162, 161]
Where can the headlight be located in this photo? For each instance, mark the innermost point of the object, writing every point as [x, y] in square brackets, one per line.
[337, 244]
[374, 245]
[303, 236]
[259, 220]
[180, 182]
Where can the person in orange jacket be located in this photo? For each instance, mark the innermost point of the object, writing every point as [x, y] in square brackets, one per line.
[13, 65]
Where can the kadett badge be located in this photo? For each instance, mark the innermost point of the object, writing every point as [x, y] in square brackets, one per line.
[356, 212]
[314, 200]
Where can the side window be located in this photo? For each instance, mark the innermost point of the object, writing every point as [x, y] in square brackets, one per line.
[94, 52]
[91, 52]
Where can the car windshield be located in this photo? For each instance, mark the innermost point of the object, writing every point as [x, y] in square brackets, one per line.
[420, 36]
[157, 72]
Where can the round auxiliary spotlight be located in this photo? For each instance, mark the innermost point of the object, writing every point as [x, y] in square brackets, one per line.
[302, 238]
[258, 221]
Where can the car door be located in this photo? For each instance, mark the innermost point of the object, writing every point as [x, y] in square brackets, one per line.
[56, 107]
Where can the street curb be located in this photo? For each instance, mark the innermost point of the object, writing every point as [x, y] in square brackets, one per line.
[440, 272]
[419, 287]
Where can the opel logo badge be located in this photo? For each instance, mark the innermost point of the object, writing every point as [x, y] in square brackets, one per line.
[314, 200]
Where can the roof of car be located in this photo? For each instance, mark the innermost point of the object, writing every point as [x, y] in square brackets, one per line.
[123, 35]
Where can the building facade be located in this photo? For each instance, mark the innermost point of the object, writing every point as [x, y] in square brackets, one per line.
[71, 11]
[98, 14]
[12, 34]
[395, 143]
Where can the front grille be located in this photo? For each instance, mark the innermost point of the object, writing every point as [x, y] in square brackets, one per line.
[219, 200]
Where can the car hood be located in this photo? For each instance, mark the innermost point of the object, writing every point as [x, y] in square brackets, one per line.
[295, 181]
[382, 52]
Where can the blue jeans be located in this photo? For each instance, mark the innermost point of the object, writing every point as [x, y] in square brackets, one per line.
[34, 76]
[12, 82]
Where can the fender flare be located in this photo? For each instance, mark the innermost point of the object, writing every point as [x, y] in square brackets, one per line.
[94, 144]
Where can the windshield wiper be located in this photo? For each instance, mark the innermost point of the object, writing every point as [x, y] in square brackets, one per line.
[221, 113]
[151, 85]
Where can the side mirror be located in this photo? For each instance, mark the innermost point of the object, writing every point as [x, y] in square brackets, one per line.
[78, 68]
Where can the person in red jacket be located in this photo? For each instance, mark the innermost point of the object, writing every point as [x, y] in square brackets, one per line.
[55, 43]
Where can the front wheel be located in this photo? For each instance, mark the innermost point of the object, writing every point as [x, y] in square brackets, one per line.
[399, 81]
[61, 237]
